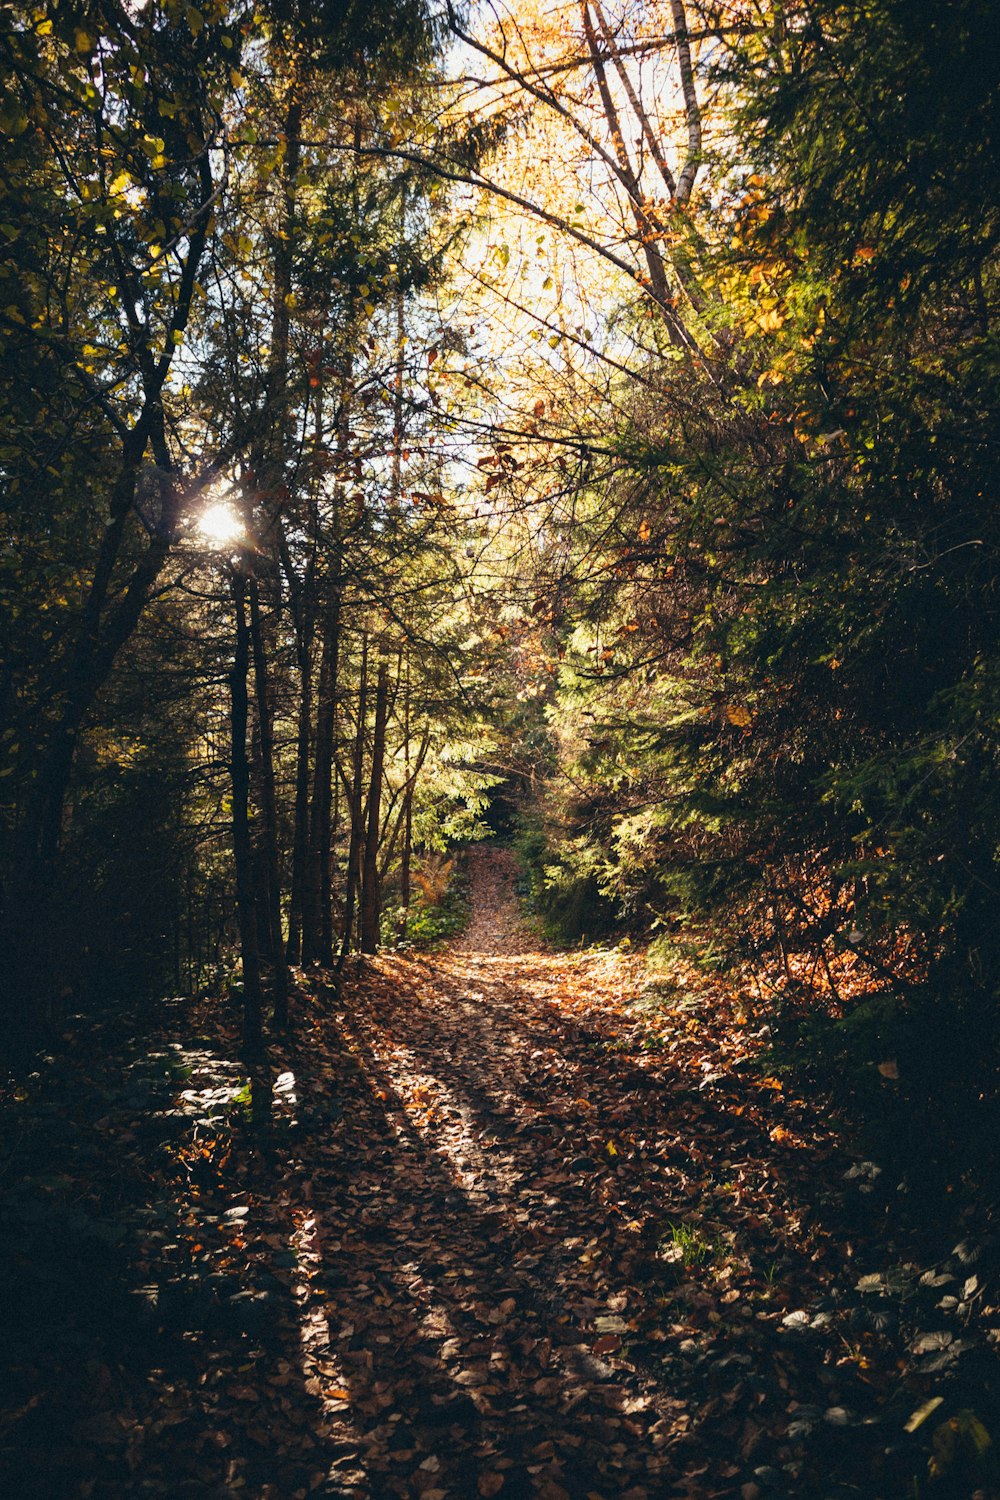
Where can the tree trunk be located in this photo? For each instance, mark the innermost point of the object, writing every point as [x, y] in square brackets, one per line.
[405, 858]
[317, 923]
[242, 852]
[357, 830]
[293, 952]
[317, 929]
[312, 889]
[371, 903]
[399, 376]
[302, 598]
[270, 866]
[326, 748]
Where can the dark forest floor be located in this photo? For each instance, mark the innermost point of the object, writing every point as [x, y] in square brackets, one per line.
[519, 1226]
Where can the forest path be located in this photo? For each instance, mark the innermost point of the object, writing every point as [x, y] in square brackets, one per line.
[550, 1239]
[522, 1224]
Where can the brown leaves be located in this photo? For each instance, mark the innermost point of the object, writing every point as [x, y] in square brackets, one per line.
[512, 1199]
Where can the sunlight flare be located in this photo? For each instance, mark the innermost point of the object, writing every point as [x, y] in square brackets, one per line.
[221, 526]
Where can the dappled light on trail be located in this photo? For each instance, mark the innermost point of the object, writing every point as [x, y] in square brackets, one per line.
[506, 1227]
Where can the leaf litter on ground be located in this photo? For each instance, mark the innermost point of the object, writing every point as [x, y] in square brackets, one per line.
[491, 1242]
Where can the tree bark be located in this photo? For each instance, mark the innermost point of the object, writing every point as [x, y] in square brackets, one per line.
[317, 921]
[692, 110]
[270, 864]
[317, 932]
[405, 858]
[399, 374]
[303, 745]
[317, 896]
[242, 852]
[357, 829]
[325, 751]
[371, 902]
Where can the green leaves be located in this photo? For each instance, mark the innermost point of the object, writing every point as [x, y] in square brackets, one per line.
[13, 119]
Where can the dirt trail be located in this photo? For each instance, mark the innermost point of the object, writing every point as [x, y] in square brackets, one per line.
[512, 1234]
[519, 1312]
[496, 926]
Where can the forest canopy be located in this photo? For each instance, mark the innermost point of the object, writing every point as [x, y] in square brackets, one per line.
[571, 422]
[499, 749]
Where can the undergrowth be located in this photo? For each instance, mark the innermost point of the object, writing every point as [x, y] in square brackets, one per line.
[438, 913]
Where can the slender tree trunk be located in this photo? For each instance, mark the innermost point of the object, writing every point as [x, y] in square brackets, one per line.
[399, 375]
[270, 865]
[260, 895]
[303, 604]
[648, 227]
[300, 835]
[371, 903]
[405, 858]
[317, 940]
[283, 253]
[242, 852]
[357, 829]
[692, 109]
[267, 466]
[318, 891]
[327, 819]
[318, 835]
